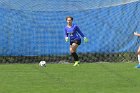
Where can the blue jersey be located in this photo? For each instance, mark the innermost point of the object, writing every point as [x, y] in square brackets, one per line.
[73, 32]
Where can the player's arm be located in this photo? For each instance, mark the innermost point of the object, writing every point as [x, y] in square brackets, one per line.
[66, 36]
[136, 34]
[80, 32]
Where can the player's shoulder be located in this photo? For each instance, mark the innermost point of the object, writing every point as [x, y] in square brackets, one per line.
[65, 28]
[75, 26]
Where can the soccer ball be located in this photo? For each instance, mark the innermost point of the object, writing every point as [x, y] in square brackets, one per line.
[42, 63]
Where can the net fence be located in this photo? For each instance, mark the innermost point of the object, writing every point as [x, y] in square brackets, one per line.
[61, 5]
[33, 30]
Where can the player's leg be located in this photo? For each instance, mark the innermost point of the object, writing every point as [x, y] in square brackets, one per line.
[138, 53]
[73, 49]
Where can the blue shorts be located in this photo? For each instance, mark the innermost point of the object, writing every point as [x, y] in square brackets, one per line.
[75, 41]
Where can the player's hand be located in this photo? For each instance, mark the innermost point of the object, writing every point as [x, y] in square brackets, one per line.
[85, 39]
[66, 39]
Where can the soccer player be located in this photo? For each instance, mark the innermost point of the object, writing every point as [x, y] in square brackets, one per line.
[138, 51]
[72, 33]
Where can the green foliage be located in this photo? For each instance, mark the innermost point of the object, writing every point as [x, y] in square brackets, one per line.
[116, 57]
[88, 57]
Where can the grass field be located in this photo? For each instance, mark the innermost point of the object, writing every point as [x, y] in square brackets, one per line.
[64, 78]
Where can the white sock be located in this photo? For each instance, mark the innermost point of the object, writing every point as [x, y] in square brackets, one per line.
[139, 58]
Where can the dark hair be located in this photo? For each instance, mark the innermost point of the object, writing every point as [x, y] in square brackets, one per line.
[69, 17]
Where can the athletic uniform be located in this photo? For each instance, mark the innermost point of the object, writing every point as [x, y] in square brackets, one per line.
[74, 33]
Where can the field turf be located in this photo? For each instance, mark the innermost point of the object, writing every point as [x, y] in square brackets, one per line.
[64, 78]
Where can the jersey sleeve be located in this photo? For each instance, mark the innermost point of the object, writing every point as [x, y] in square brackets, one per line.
[65, 32]
[79, 31]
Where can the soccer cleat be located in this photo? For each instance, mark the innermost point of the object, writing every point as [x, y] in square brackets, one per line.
[76, 63]
[138, 66]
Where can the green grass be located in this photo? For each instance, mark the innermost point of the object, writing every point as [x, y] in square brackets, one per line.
[64, 78]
